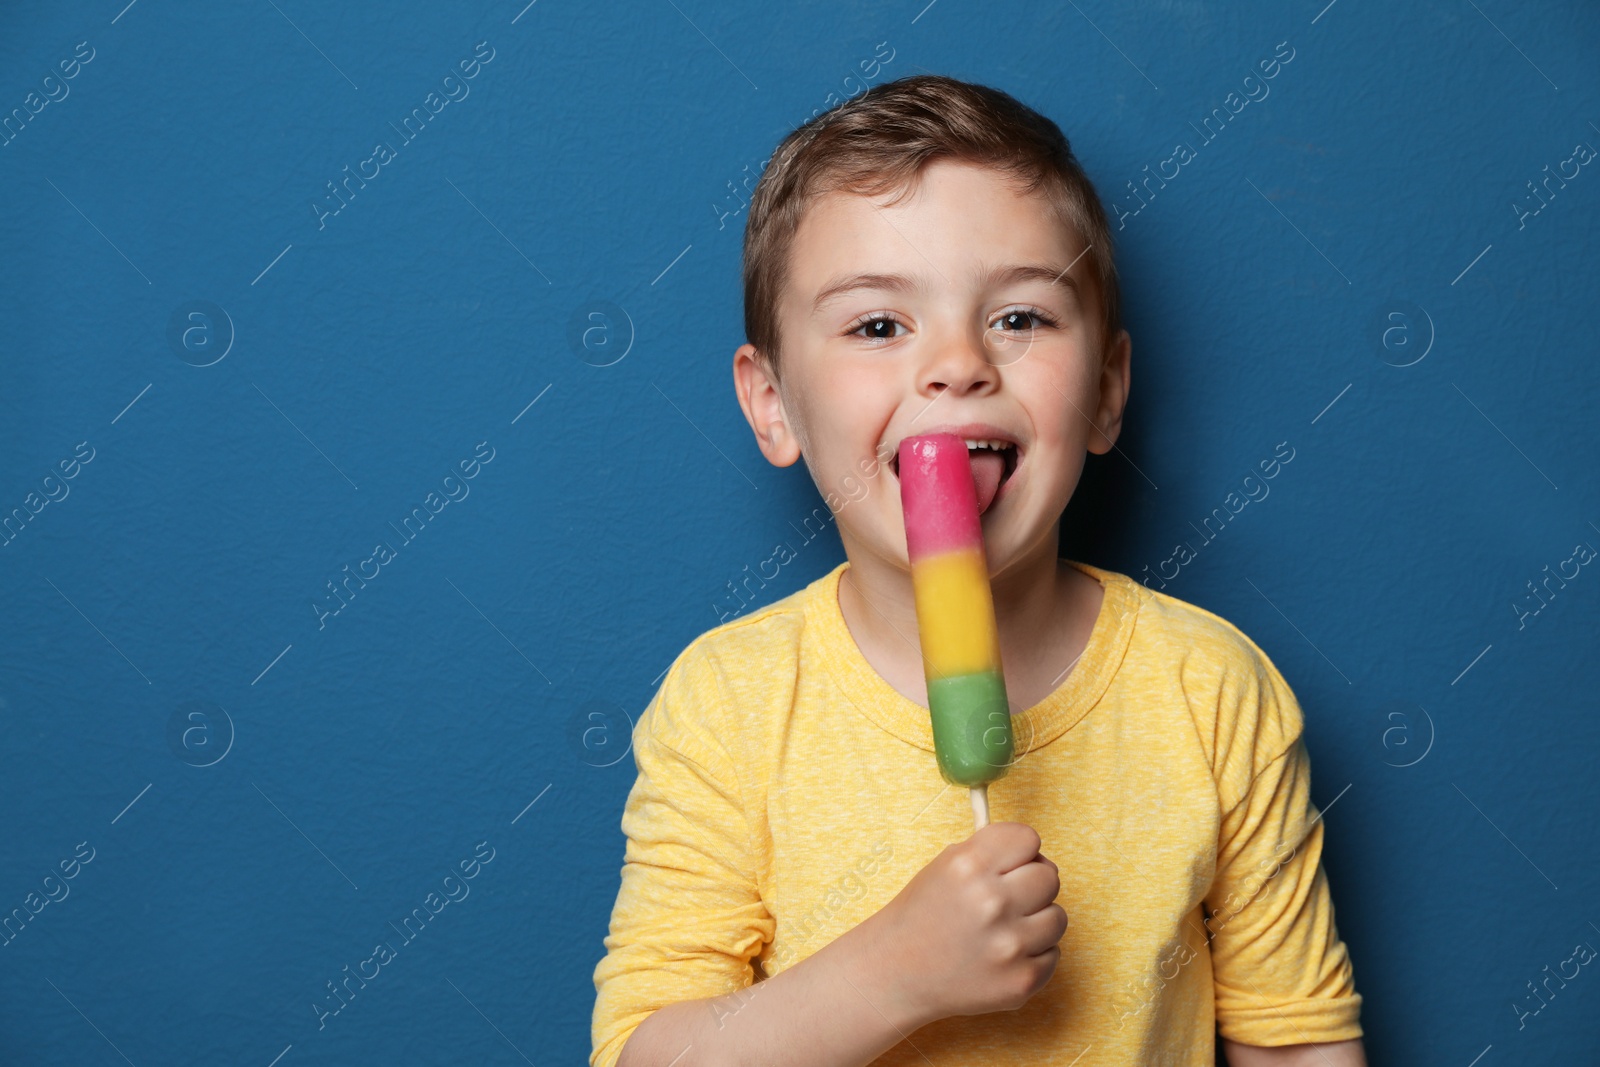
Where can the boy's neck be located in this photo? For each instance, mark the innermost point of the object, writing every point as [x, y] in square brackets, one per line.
[1044, 608]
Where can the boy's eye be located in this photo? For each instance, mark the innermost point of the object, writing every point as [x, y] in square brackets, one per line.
[1021, 319]
[877, 327]
[881, 326]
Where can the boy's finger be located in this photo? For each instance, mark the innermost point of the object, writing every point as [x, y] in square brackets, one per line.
[1033, 885]
[1007, 845]
[1043, 930]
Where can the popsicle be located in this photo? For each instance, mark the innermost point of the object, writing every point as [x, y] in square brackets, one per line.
[955, 613]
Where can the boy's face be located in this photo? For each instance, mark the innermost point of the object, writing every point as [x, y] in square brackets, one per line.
[965, 308]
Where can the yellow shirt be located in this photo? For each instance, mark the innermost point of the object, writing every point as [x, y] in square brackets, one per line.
[786, 792]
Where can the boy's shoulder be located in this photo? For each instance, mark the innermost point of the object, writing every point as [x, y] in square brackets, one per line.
[767, 634]
[740, 667]
[734, 679]
[1197, 631]
[754, 649]
[1167, 628]
[1243, 708]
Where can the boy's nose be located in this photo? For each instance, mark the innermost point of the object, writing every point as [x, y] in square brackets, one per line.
[963, 364]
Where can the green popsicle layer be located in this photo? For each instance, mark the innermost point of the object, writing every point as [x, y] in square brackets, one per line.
[971, 727]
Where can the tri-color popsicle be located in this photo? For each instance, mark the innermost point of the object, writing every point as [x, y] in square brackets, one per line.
[972, 735]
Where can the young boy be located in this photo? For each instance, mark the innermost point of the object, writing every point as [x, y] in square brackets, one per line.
[800, 886]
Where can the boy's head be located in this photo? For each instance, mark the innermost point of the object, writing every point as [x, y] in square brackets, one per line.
[930, 256]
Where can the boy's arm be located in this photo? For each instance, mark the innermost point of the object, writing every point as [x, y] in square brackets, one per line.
[688, 915]
[833, 1008]
[675, 986]
[1337, 1054]
[1282, 975]
[975, 931]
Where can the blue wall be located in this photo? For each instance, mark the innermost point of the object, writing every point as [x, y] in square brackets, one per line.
[250, 391]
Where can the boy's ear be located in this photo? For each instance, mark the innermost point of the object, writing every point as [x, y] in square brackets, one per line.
[762, 404]
[1114, 382]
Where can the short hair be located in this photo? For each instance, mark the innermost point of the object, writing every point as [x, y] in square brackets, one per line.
[883, 140]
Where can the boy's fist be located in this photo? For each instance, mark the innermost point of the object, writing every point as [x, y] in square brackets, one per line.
[976, 930]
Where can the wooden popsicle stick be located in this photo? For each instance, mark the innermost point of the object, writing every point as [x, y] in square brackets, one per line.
[980, 806]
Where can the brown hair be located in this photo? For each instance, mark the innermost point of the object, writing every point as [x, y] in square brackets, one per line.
[882, 140]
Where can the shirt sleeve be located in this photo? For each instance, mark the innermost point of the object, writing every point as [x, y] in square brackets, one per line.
[1282, 975]
[689, 916]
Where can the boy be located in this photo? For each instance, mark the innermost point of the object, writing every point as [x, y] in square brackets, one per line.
[800, 886]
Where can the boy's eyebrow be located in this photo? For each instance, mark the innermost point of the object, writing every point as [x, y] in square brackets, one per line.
[900, 283]
[894, 283]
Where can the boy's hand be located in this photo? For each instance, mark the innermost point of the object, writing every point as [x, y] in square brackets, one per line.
[974, 931]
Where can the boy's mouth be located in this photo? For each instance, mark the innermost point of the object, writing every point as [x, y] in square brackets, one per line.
[994, 461]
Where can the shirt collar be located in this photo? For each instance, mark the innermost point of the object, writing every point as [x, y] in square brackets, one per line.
[1034, 727]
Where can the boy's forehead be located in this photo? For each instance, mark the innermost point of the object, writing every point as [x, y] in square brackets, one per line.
[954, 215]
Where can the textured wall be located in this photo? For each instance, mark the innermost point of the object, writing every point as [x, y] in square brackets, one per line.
[222, 385]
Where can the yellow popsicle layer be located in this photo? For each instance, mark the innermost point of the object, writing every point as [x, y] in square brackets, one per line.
[955, 613]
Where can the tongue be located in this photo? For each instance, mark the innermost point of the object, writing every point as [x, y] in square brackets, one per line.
[987, 467]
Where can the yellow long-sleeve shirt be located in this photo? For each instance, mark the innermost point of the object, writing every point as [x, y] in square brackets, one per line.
[786, 792]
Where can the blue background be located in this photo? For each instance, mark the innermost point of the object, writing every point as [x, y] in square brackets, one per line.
[480, 689]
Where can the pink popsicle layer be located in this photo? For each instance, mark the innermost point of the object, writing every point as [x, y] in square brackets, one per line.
[938, 496]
